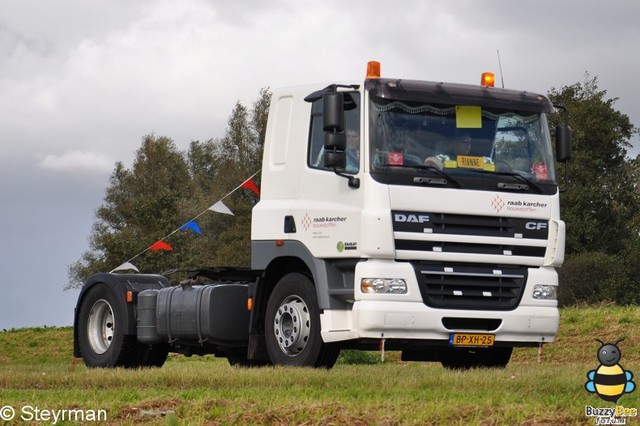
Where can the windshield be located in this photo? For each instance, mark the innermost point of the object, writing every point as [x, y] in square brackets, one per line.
[460, 140]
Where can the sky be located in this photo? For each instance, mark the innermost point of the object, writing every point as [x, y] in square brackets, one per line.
[81, 83]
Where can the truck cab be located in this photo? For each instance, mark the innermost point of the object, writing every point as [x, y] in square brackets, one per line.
[425, 215]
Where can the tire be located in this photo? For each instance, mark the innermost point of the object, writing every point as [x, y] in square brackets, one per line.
[292, 325]
[101, 324]
[464, 359]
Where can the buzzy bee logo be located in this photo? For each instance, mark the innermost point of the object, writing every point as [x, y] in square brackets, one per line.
[610, 381]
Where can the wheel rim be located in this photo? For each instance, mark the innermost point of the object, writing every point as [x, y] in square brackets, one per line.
[292, 325]
[100, 326]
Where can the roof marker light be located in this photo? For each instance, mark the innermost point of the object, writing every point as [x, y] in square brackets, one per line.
[373, 69]
[488, 79]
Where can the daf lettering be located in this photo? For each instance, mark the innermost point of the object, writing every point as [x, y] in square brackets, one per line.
[535, 226]
[411, 218]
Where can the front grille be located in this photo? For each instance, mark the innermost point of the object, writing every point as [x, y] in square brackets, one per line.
[437, 234]
[458, 224]
[470, 286]
[470, 248]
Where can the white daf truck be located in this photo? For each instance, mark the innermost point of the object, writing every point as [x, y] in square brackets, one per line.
[417, 216]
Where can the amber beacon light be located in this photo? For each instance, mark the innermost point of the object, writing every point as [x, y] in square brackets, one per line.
[373, 69]
[487, 79]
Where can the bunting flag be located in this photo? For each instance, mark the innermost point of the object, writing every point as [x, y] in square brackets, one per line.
[220, 207]
[126, 266]
[191, 225]
[249, 184]
[160, 245]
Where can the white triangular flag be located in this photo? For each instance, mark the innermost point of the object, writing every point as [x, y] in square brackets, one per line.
[126, 266]
[219, 207]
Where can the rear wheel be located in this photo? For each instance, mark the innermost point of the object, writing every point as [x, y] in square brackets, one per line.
[292, 325]
[101, 334]
[463, 359]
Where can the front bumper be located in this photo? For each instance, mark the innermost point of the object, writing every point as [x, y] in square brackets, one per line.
[401, 320]
[417, 321]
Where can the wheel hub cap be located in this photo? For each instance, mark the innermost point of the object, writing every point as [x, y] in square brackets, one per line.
[291, 325]
[100, 326]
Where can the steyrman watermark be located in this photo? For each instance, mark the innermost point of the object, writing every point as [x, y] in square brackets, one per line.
[30, 413]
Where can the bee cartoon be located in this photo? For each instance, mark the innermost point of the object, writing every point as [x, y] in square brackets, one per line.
[609, 380]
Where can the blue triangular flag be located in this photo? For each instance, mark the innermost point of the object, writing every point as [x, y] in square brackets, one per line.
[191, 225]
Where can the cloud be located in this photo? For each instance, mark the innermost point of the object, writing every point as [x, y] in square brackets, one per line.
[77, 161]
[103, 91]
[173, 69]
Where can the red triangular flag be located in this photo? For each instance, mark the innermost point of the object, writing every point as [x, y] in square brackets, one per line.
[160, 245]
[249, 184]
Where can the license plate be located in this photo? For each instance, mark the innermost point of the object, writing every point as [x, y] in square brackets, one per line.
[467, 339]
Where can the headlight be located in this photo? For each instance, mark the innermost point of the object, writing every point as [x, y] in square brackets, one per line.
[545, 292]
[383, 285]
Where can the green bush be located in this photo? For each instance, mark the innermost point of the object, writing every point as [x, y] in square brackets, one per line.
[597, 277]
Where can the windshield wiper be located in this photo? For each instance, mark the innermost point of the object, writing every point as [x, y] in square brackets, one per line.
[446, 178]
[527, 182]
[524, 186]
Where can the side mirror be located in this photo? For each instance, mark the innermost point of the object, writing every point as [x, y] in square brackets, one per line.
[333, 112]
[563, 143]
[335, 140]
[335, 160]
[334, 150]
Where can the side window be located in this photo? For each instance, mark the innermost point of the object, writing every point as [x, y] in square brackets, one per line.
[316, 136]
[352, 130]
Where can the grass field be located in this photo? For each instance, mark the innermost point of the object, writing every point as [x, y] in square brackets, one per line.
[37, 373]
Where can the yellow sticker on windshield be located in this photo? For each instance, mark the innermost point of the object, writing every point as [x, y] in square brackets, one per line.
[469, 162]
[468, 117]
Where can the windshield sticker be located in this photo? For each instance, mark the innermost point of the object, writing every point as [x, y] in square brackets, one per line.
[540, 171]
[468, 117]
[396, 159]
[471, 162]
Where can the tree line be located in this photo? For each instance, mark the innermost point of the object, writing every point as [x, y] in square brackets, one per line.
[166, 186]
[601, 207]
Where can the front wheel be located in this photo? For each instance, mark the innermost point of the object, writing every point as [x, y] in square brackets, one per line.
[292, 325]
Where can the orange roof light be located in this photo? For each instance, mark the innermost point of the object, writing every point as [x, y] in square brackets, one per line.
[487, 79]
[373, 69]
